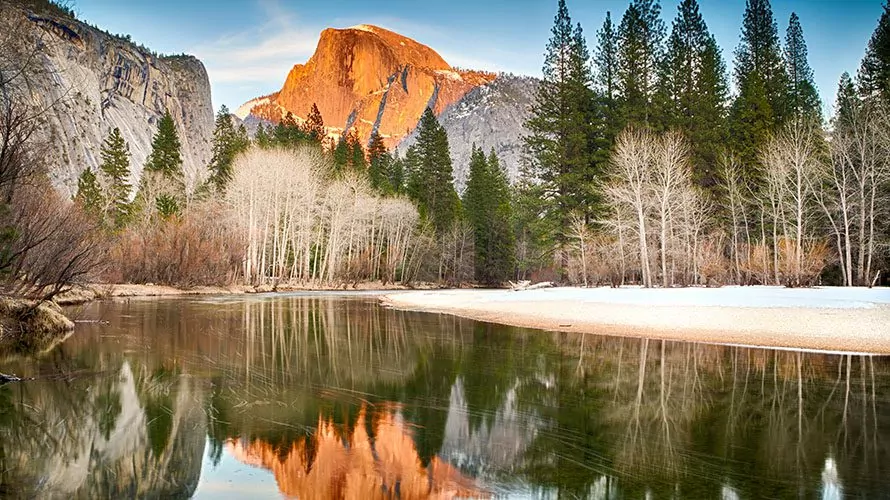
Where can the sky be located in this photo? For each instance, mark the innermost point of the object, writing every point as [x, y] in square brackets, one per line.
[248, 46]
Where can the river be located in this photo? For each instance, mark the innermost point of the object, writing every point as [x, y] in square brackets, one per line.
[330, 396]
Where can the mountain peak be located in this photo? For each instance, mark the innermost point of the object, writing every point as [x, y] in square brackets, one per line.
[369, 78]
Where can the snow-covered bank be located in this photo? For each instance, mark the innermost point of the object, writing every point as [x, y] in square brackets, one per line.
[835, 319]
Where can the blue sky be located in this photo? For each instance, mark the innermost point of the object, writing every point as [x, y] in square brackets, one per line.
[249, 46]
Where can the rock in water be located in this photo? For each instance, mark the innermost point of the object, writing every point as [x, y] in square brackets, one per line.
[99, 81]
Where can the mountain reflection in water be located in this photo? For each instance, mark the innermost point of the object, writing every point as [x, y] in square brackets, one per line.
[326, 397]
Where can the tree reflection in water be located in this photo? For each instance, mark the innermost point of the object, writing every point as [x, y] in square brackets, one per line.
[340, 398]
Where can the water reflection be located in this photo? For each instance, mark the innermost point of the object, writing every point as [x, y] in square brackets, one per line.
[336, 397]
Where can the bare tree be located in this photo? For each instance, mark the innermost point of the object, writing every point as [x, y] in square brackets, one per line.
[300, 224]
[628, 187]
[794, 168]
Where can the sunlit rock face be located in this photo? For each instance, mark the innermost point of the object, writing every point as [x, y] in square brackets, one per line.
[97, 82]
[354, 465]
[368, 78]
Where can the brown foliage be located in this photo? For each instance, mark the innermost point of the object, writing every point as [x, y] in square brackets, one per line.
[48, 242]
[813, 258]
[195, 249]
[714, 265]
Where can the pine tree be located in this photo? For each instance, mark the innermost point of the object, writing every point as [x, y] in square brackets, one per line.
[567, 128]
[431, 178]
[694, 89]
[227, 143]
[751, 124]
[288, 134]
[314, 125]
[487, 205]
[762, 104]
[606, 77]
[261, 137]
[847, 100]
[874, 73]
[166, 152]
[803, 98]
[379, 164]
[606, 59]
[89, 195]
[640, 37]
[397, 175]
[115, 168]
[349, 154]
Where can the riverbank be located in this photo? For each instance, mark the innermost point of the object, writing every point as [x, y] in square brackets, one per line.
[827, 319]
[26, 326]
[90, 293]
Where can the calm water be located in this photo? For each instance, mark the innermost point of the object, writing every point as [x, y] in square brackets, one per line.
[326, 397]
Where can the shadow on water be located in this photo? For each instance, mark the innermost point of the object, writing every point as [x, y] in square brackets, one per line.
[336, 397]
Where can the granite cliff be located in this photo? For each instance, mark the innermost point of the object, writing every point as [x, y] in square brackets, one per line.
[99, 81]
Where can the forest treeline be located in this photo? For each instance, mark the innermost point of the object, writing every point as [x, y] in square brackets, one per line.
[644, 167]
[643, 164]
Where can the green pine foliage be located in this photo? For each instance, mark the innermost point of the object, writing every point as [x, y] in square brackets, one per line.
[166, 152]
[487, 207]
[89, 194]
[397, 175]
[605, 59]
[762, 103]
[227, 143]
[606, 71]
[874, 74]
[803, 98]
[115, 168]
[262, 138]
[568, 130]
[380, 164]
[288, 134]
[430, 175]
[349, 154]
[695, 89]
[640, 39]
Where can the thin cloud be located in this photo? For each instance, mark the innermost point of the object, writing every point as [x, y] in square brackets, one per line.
[261, 54]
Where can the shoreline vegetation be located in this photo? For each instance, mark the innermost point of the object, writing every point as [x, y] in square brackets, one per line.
[849, 320]
[85, 294]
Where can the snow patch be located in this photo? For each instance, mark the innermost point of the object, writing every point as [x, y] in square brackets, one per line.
[363, 27]
[451, 75]
[245, 108]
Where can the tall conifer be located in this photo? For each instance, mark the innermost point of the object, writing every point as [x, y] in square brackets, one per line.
[115, 168]
[431, 178]
[640, 39]
[803, 98]
[695, 89]
[762, 103]
[874, 74]
[567, 126]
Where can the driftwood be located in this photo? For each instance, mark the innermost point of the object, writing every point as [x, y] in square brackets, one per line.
[5, 379]
[527, 285]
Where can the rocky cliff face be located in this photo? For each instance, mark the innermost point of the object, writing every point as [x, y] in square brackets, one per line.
[99, 82]
[368, 78]
[491, 116]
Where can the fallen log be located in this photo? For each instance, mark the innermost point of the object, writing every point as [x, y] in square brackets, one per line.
[526, 285]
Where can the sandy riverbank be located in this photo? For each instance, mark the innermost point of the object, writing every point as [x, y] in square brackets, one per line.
[831, 319]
